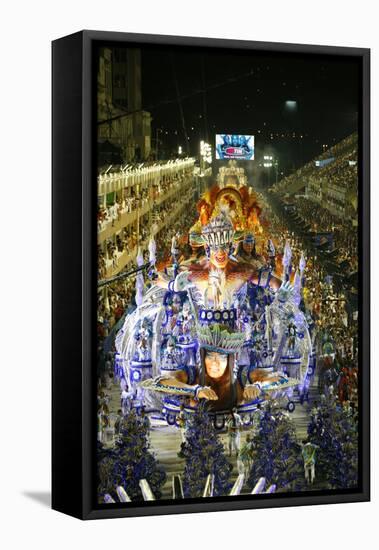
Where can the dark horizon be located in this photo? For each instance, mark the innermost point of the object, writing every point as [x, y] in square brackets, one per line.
[246, 93]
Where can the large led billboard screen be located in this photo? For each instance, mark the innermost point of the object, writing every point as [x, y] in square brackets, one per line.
[234, 146]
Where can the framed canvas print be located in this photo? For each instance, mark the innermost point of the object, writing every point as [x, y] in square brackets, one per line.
[210, 275]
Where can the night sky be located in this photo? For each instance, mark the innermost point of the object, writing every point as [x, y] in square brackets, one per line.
[246, 93]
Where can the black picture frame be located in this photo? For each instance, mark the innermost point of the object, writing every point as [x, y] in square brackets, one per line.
[74, 280]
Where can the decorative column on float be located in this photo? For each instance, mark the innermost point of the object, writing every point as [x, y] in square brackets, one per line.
[139, 279]
[268, 336]
[297, 288]
[152, 251]
[286, 261]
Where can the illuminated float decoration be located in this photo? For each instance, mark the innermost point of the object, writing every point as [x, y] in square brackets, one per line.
[221, 326]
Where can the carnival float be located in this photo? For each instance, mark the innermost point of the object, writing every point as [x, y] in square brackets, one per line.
[220, 323]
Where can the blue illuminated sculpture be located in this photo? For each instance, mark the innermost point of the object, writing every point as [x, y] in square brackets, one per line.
[222, 328]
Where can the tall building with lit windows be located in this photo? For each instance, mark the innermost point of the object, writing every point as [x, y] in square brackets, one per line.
[124, 128]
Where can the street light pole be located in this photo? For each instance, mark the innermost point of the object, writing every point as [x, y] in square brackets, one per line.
[156, 143]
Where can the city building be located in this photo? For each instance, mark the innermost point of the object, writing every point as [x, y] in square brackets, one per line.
[124, 128]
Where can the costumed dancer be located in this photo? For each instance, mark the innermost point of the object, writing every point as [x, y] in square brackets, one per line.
[308, 452]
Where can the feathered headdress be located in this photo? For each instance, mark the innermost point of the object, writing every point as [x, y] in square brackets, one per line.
[239, 205]
[219, 338]
[219, 231]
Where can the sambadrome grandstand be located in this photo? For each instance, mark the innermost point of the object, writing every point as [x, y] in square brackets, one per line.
[329, 181]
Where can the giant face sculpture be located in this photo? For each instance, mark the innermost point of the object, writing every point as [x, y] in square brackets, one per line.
[219, 257]
[218, 238]
[215, 364]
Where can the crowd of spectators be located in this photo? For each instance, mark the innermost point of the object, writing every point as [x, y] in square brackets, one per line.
[341, 171]
[158, 222]
[321, 220]
[163, 200]
[127, 200]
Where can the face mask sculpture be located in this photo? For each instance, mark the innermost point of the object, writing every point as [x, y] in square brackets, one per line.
[215, 364]
[218, 236]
